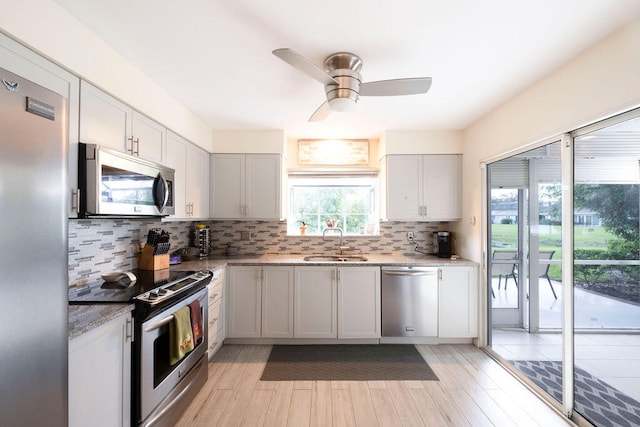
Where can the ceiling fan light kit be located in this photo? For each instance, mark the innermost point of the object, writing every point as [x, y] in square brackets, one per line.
[343, 82]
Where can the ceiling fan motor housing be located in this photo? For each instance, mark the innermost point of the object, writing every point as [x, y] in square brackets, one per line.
[344, 67]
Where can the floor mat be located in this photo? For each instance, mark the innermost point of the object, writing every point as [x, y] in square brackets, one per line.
[596, 400]
[346, 362]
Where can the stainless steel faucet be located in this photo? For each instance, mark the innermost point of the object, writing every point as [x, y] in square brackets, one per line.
[334, 229]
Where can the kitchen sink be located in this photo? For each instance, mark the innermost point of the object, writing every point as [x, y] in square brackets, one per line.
[336, 258]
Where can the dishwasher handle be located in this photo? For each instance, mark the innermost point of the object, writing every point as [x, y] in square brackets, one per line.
[408, 273]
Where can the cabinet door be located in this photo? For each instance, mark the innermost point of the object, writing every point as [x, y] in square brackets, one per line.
[262, 191]
[315, 297]
[404, 187]
[197, 182]
[100, 375]
[442, 198]
[359, 302]
[227, 186]
[103, 119]
[148, 138]
[244, 302]
[458, 302]
[277, 302]
[176, 158]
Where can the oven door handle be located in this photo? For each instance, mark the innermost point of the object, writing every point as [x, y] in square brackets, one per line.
[175, 400]
[159, 323]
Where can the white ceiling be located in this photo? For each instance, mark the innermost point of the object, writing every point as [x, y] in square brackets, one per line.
[215, 55]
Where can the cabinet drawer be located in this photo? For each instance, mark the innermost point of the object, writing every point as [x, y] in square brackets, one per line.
[215, 293]
[215, 337]
[215, 319]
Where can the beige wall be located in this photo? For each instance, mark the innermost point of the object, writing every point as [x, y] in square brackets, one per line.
[603, 81]
[248, 141]
[48, 29]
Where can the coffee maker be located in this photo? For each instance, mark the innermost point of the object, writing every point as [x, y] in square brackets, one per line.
[444, 244]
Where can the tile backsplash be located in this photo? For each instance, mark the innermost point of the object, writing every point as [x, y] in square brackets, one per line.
[98, 246]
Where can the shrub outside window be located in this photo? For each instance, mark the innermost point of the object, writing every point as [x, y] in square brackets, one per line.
[351, 201]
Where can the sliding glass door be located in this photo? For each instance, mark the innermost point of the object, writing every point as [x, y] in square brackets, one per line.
[567, 213]
[606, 273]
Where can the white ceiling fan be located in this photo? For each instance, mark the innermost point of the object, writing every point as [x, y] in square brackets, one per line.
[343, 82]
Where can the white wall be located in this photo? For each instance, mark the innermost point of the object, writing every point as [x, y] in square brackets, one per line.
[602, 81]
[248, 141]
[421, 142]
[48, 29]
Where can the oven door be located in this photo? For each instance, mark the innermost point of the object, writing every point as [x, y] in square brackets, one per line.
[160, 383]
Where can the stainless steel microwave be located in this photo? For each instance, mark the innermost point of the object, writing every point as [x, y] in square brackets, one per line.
[115, 184]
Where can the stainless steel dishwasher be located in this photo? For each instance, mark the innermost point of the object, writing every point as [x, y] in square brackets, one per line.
[409, 301]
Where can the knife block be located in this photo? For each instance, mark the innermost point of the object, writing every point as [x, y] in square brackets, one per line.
[149, 261]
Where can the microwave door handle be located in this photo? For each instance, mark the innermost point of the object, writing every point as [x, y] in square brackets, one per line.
[165, 192]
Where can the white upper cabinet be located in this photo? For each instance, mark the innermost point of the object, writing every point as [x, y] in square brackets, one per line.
[245, 186]
[197, 182]
[106, 121]
[424, 187]
[191, 179]
[148, 138]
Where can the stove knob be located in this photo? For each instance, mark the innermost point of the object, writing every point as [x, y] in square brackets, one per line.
[153, 295]
[162, 291]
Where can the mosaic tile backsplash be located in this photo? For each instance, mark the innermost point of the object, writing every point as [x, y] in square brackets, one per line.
[99, 246]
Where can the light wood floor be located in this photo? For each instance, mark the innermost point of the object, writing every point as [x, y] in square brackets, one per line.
[473, 391]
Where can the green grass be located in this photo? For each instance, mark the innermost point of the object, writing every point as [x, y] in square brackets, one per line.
[550, 238]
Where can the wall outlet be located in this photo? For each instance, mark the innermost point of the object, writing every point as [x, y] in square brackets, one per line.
[410, 236]
[245, 235]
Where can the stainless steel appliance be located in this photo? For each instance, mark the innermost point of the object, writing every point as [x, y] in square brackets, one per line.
[33, 311]
[115, 184]
[409, 301]
[160, 391]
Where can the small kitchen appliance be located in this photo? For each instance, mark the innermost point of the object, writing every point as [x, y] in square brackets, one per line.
[444, 244]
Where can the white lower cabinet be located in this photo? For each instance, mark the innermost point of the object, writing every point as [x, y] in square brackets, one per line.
[216, 334]
[316, 300]
[260, 302]
[458, 302]
[100, 375]
[342, 302]
[244, 302]
[359, 302]
[277, 302]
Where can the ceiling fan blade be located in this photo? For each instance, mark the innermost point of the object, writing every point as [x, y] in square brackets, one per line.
[321, 113]
[301, 63]
[411, 86]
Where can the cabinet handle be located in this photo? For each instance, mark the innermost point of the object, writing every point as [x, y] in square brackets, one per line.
[215, 319]
[333, 275]
[129, 331]
[338, 276]
[137, 141]
[440, 274]
[130, 150]
[75, 200]
[214, 296]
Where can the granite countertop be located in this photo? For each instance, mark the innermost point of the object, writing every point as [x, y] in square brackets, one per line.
[213, 262]
[83, 318]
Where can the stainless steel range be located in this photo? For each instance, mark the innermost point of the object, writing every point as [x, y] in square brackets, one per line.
[160, 391]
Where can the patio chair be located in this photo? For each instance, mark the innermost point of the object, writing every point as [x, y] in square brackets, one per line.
[504, 267]
[545, 274]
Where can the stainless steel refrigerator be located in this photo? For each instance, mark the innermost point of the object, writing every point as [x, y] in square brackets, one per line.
[33, 254]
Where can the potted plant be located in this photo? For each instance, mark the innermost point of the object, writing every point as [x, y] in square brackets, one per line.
[303, 228]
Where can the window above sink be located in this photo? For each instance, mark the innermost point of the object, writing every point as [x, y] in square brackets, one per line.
[349, 199]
